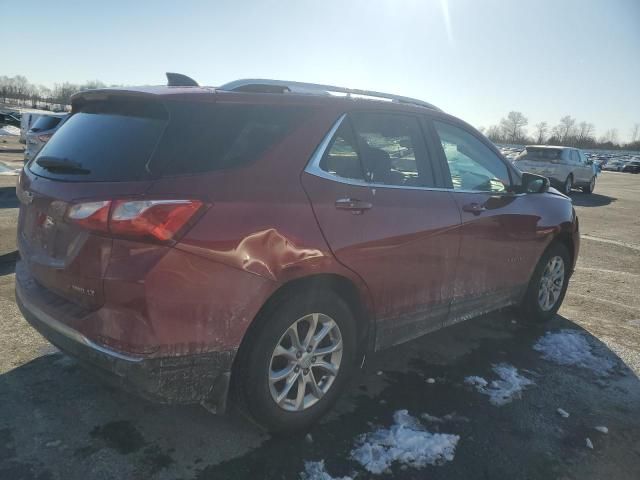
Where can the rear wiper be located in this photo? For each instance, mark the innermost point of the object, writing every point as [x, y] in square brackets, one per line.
[61, 165]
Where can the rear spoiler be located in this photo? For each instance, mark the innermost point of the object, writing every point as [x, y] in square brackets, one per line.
[81, 98]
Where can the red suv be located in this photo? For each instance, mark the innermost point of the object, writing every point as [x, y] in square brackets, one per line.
[268, 235]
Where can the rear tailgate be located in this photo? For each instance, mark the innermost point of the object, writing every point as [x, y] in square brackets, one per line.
[539, 160]
[106, 145]
[60, 255]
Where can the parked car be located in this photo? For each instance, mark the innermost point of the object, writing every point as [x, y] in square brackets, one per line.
[28, 119]
[268, 236]
[566, 168]
[41, 132]
[613, 166]
[10, 118]
[632, 167]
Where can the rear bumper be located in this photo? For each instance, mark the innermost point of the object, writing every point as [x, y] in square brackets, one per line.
[179, 379]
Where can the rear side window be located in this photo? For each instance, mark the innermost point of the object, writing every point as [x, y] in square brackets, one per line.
[392, 149]
[206, 137]
[104, 141]
[381, 149]
[46, 123]
[341, 158]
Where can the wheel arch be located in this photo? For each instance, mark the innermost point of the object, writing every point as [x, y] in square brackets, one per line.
[342, 286]
[566, 239]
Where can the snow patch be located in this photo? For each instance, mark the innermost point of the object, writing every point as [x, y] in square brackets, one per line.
[317, 471]
[502, 391]
[589, 443]
[405, 442]
[449, 417]
[563, 413]
[602, 429]
[9, 130]
[571, 347]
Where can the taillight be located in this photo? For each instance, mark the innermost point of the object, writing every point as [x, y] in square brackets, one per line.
[45, 137]
[155, 220]
[159, 219]
[90, 215]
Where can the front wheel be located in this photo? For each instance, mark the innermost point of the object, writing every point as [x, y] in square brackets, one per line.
[299, 360]
[548, 285]
[591, 187]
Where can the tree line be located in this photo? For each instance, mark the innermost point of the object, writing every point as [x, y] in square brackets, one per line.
[20, 92]
[568, 132]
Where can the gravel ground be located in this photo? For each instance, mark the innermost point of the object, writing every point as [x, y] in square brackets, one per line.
[57, 422]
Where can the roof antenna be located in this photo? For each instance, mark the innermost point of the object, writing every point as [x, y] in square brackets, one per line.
[180, 80]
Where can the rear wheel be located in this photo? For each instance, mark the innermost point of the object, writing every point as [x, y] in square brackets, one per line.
[591, 187]
[568, 185]
[548, 285]
[298, 361]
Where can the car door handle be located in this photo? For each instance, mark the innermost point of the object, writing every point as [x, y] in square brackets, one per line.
[474, 208]
[356, 206]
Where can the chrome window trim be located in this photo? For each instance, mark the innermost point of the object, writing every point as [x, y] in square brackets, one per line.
[313, 168]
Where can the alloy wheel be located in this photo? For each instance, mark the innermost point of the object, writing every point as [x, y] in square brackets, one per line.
[551, 283]
[305, 362]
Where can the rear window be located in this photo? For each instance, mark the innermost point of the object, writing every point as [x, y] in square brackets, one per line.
[46, 123]
[104, 141]
[541, 154]
[134, 140]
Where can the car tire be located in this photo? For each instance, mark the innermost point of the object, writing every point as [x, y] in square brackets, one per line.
[567, 186]
[591, 187]
[536, 307]
[261, 363]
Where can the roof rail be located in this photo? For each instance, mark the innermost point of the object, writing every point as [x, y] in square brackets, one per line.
[180, 80]
[259, 85]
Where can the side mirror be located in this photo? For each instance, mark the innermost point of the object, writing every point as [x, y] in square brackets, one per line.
[532, 183]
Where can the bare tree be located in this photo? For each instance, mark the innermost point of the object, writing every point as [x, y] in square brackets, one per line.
[610, 136]
[513, 126]
[635, 133]
[482, 129]
[566, 128]
[541, 132]
[585, 131]
[494, 133]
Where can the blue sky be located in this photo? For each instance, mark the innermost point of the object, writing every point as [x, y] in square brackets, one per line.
[477, 59]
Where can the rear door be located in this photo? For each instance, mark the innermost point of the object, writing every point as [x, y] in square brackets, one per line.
[499, 238]
[586, 170]
[377, 200]
[100, 153]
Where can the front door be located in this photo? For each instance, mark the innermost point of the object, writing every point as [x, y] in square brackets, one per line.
[500, 241]
[372, 191]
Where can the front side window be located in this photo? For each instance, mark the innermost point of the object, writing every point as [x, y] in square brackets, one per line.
[473, 166]
[392, 149]
[574, 157]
